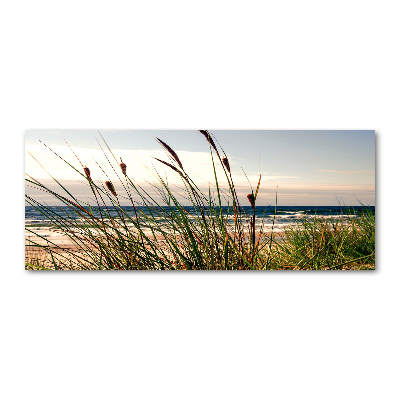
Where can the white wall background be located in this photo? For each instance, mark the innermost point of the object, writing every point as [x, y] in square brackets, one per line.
[199, 65]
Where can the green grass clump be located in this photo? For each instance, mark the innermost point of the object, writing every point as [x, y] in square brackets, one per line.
[106, 236]
[317, 243]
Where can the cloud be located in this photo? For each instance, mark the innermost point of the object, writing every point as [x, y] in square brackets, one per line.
[141, 168]
[141, 165]
[334, 171]
[288, 193]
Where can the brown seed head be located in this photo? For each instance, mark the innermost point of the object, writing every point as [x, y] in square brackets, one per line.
[166, 163]
[252, 201]
[226, 163]
[110, 187]
[87, 172]
[172, 167]
[209, 138]
[170, 151]
[123, 167]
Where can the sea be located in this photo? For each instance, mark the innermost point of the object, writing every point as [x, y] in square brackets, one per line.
[267, 217]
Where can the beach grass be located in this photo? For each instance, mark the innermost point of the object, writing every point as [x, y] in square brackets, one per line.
[105, 236]
[319, 243]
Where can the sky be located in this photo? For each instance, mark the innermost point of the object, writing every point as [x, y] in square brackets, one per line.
[303, 167]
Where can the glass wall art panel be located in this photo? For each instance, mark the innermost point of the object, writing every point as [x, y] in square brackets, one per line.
[247, 200]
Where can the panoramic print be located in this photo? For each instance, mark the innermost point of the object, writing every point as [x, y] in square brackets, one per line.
[199, 200]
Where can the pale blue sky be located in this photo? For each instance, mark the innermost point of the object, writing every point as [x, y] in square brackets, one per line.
[310, 167]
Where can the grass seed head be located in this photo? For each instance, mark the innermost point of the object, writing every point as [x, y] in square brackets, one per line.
[87, 172]
[172, 167]
[252, 201]
[123, 167]
[110, 187]
[169, 165]
[170, 151]
[209, 139]
[226, 163]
